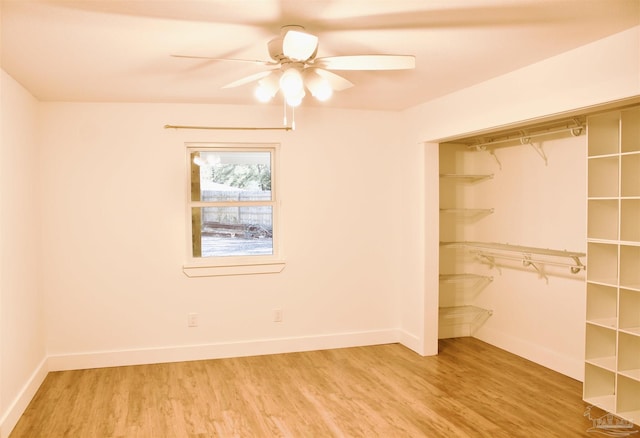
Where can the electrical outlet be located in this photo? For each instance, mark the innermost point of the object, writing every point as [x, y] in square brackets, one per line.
[192, 320]
[277, 315]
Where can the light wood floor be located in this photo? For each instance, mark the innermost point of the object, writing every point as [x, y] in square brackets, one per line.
[470, 389]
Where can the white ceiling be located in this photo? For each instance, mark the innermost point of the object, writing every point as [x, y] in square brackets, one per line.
[119, 51]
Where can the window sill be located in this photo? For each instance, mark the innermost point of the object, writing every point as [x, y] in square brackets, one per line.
[249, 268]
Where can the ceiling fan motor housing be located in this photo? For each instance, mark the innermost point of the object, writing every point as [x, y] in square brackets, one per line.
[276, 45]
[275, 49]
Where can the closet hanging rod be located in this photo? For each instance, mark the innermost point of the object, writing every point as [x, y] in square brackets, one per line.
[526, 260]
[232, 128]
[488, 250]
[526, 138]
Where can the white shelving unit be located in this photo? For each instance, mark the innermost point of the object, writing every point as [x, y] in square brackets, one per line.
[612, 344]
[458, 288]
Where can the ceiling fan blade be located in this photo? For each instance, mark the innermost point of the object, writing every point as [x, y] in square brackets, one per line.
[337, 83]
[367, 62]
[299, 46]
[209, 58]
[247, 79]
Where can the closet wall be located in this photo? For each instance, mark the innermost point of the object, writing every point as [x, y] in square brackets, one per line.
[516, 197]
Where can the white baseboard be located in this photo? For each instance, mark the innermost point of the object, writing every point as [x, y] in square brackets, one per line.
[102, 359]
[411, 341]
[10, 417]
[554, 360]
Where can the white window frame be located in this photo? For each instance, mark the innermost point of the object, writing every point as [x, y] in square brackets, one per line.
[230, 265]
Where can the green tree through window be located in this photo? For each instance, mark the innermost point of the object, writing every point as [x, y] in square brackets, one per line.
[242, 176]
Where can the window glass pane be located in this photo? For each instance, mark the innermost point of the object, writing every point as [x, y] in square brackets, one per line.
[230, 176]
[233, 231]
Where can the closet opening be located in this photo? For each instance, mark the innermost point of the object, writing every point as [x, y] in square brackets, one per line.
[540, 247]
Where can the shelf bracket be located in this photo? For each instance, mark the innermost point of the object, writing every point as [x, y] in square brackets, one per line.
[526, 261]
[536, 147]
[578, 267]
[490, 260]
[492, 152]
[578, 130]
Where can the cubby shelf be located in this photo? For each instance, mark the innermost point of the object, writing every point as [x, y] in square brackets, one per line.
[605, 362]
[630, 312]
[635, 331]
[612, 347]
[601, 391]
[627, 398]
[633, 374]
[603, 177]
[602, 305]
[606, 402]
[604, 322]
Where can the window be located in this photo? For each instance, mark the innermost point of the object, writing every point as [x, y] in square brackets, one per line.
[232, 209]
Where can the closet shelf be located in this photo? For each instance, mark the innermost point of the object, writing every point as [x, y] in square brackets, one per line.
[632, 374]
[490, 251]
[605, 362]
[461, 320]
[468, 178]
[467, 211]
[635, 331]
[609, 323]
[457, 278]
[604, 402]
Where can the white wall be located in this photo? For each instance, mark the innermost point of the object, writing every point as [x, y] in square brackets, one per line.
[114, 235]
[604, 71]
[22, 341]
[540, 205]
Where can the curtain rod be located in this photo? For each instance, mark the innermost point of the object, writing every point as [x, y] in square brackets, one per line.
[231, 128]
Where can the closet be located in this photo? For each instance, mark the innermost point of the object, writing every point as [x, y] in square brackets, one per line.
[497, 214]
[523, 212]
[612, 353]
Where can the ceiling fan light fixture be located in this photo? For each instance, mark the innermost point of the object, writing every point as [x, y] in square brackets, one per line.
[295, 100]
[318, 85]
[268, 87]
[324, 92]
[263, 94]
[291, 82]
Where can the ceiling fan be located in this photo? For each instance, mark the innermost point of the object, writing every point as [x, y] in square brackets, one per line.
[294, 67]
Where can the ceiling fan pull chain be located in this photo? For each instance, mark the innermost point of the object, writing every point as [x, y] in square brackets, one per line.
[284, 119]
[293, 118]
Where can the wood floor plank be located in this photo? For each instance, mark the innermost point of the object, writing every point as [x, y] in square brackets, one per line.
[471, 389]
